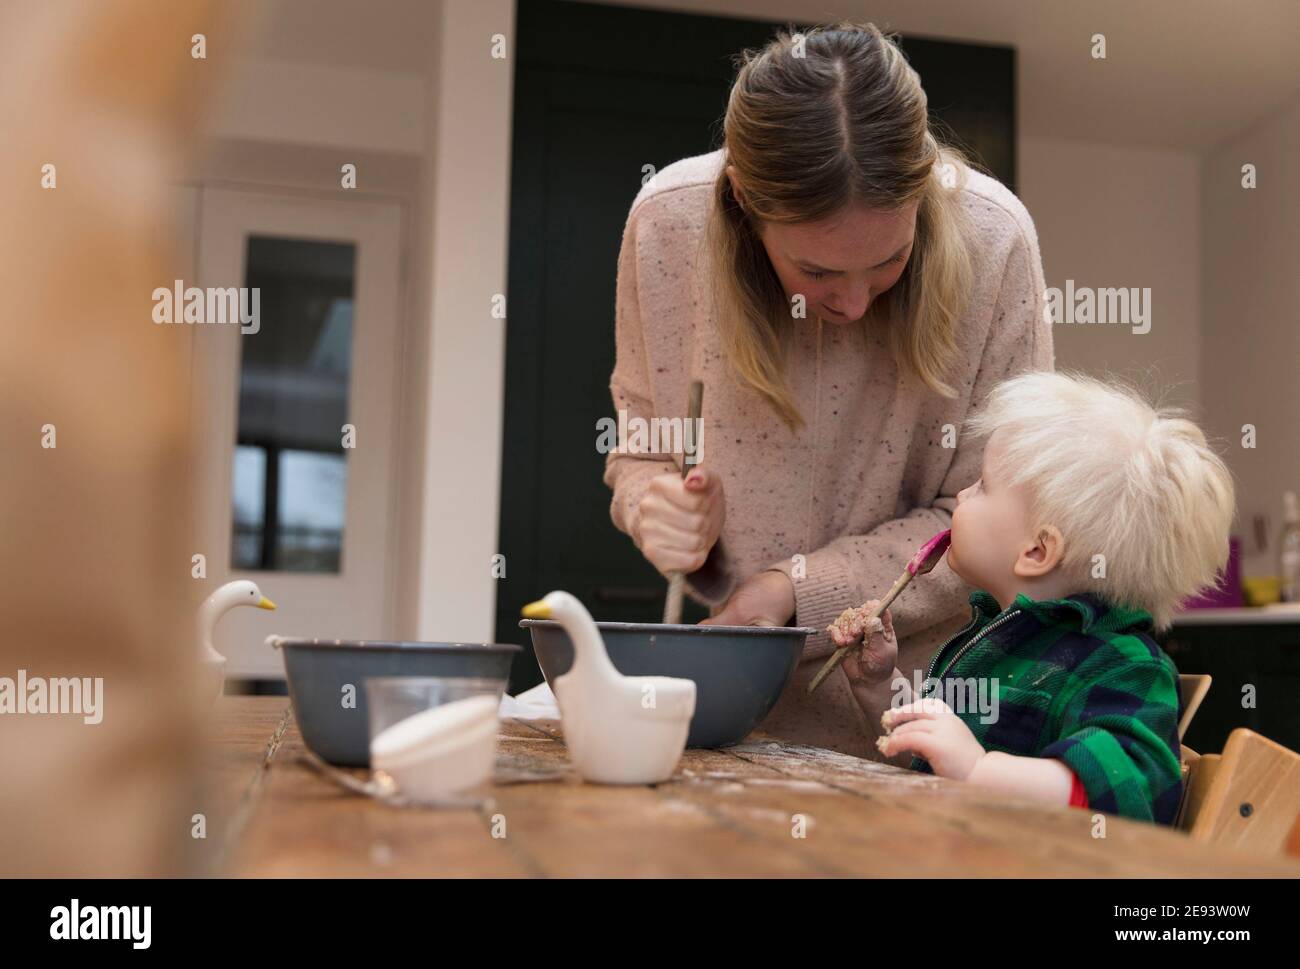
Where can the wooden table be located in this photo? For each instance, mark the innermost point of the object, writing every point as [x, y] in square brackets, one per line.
[735, 811]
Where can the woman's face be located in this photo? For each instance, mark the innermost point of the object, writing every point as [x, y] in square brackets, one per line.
[841, 264]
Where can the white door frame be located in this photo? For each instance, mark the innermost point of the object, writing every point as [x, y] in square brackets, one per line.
[359, 601]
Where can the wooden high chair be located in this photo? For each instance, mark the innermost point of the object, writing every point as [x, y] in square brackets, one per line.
[1248, 796]
[1192, 688]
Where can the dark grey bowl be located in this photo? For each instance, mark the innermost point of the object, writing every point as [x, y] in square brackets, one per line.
[739, 671]
[318, 669]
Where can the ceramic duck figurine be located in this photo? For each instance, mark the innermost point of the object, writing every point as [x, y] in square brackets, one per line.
[239, 593]
[619, 729]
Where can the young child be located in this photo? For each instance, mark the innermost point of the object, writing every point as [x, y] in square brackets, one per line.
[1095, 516]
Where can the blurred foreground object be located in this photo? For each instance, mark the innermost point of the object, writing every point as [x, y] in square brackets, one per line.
[95, 580]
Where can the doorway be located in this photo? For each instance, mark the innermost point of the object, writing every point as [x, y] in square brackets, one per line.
[295, 416]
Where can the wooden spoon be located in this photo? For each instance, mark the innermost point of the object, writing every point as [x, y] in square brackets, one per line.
[676, 580]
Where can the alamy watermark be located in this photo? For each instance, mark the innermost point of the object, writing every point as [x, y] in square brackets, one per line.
[82, 695]
[126, 923]
[1084, 304]
[654, 435]
[974, 694]
[216, 304]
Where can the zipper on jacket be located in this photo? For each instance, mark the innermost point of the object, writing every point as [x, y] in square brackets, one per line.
[967, 647]
[974, 618]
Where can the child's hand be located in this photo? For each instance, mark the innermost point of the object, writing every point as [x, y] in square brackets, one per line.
[874, 660]
[929, 729]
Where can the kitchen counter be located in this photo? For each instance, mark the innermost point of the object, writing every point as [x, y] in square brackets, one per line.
[735, 811]
[1276, 614]
[1253, 658]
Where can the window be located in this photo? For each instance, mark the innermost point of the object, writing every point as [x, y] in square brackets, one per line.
[290, 468]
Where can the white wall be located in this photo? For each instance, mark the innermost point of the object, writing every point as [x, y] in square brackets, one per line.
[1122, 217]
[435, 136]
[469, 184]
[336, 107]
[1251, 333]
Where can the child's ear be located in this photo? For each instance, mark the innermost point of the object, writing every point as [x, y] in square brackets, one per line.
[1042, 556]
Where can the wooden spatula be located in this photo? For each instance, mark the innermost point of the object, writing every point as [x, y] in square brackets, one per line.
[925, 559]
[677, 581]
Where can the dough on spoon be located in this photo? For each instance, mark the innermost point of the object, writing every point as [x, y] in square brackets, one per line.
[853, 624]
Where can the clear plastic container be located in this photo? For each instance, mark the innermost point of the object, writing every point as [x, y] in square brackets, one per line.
[435, 737]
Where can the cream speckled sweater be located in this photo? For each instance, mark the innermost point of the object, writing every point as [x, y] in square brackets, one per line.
[866, 481]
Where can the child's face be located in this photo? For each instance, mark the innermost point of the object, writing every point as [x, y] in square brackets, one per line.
[990, 527]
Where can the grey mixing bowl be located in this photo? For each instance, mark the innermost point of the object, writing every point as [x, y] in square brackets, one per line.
[739, 671]
[319, 669]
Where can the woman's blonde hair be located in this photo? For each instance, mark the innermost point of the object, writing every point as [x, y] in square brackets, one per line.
[1118, 478]
[817, 123]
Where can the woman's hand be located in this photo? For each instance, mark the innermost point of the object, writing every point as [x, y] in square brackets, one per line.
[765, 599]
[679, 519]
[929, 729]
[874, 660]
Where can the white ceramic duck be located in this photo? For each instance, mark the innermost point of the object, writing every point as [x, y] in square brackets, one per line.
[619, 729]
[239, 593]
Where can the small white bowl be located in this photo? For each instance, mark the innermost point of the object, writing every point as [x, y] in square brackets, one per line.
[441, 751]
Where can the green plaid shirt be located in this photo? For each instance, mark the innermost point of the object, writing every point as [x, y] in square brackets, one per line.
[1078, 679]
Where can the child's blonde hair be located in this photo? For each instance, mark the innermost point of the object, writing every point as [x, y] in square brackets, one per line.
[1120, 478]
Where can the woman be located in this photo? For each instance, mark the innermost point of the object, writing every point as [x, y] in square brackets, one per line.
[847, 290]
